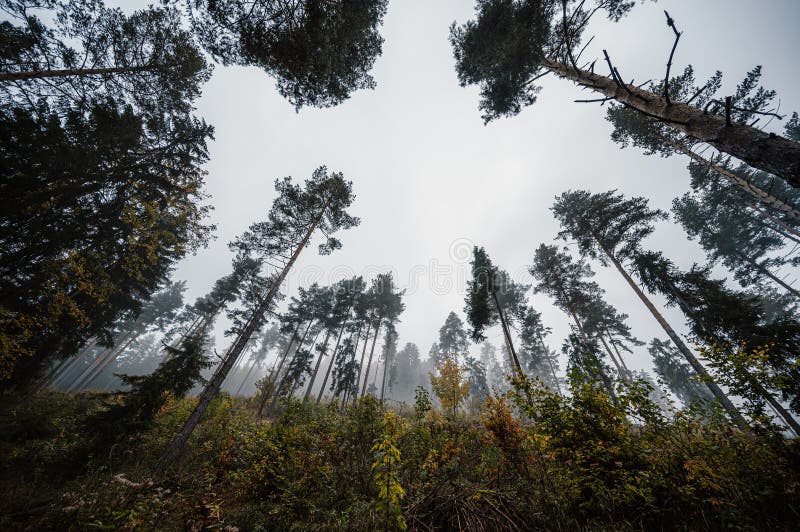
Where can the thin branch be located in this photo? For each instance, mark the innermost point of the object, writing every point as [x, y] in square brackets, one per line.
[671, 24]
[594, 100]
[698, 93]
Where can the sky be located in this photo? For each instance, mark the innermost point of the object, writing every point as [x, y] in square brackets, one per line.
[432, 180]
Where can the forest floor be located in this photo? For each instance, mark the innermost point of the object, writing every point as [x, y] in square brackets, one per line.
[581, 465]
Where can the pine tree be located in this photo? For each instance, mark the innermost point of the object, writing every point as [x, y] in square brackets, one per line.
[386, 305]
[123, 200]
[294, 216]
[610, 229]
[758, 189]
[511, 44]
[318, 51]
[93, 53]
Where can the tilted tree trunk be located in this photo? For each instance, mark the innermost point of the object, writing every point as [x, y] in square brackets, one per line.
[62, 370]
[776, 224]
[280, 377]
[316, 368]
[346, 394]
[386, 364]
[761, 195]
[361, 364]
[777, 280]
[333, 356]
[212, 388]
[619, 355]
[687, 354]
[275, 373]
[72, 72]
[766, 151]
[507, 334]
[371, 352]
[246, 377]
[623, 374]
[280, 383]
[102, 361]
[296, 383]
[549, 363]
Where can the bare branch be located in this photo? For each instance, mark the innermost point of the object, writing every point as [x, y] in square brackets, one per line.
[671, 24]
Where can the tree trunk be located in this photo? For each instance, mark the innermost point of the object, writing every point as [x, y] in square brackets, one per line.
[371, 352]
[316, 368]
[296, 383]
[777, 280]
[776, 224]
[507, 334]
[280, 383]
[386, 365]
[273, 377]
[66, 366]
[361, 364]
[212, 388]
[690, 358]
[619, 355]
[244, 381]
[78, 382]
[333, 356]
[622, 373]
[549, 363]
[766, 151]
[111, 358]
[77, 72]
[759, 194]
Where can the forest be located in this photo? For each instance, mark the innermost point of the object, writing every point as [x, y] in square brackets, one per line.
[169, 362]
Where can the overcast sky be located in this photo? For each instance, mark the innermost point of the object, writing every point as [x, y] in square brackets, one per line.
[431, 180]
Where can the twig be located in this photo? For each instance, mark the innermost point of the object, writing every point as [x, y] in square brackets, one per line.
[671, 24]
[727, 110]
[584, 48]
[594, 100]
[698, 93]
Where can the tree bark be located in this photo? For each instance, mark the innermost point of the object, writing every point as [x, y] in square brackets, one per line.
[371, 352]
[777, 280]
[76, 72]
[690, 358]
[361, 363]
[766, 151]
[212, 389]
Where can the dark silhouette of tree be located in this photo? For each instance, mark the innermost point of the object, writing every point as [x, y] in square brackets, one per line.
[736, 322]
[318, 51]
[123, 201]
[512, 43]
[452, 338]
[535, 355]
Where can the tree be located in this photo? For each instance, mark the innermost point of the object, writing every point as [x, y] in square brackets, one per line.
[609, 228]
[453, 337]
[93, 53]
[156, 314]
[478, 387]
[759, 189]
[123, 201]
[449, 385]
[512, 43]
[678, 375]
[347, 292]
[173, 378]
[407, 368]
[743, 248]
[386, 306]
[537, 357]
[734, 323]
[294, 216]
[318, 51]
[493, 297]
